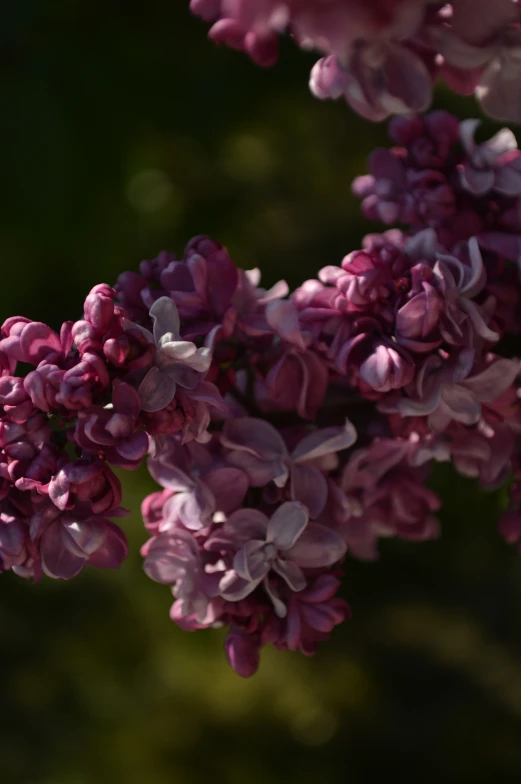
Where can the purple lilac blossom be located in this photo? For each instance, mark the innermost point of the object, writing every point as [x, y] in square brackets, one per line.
[241, 398]
[383, 57]
[439, 177]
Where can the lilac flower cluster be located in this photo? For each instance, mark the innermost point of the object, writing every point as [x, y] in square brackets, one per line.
[288, 432]
[416, 321]
[257, 512]
[93, 396]
[383, 56]
[240, 397]
[263, 489]
[437, 176]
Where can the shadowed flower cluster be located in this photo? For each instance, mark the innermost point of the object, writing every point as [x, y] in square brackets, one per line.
[384, 56]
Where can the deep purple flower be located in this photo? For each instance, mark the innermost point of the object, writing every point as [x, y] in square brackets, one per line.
[88, 483]
[114, 431]
[312, 615]
[68, 544]
[242, 651]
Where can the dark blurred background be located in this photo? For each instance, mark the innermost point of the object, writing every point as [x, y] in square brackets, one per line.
[123, 132]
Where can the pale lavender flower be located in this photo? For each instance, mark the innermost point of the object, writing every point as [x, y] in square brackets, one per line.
[449, 389]
[259, 450]
[285, 544]
[200, 489]
[177, 362]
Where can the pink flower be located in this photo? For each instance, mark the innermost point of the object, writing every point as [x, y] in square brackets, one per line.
[286, 544]
[175, 559]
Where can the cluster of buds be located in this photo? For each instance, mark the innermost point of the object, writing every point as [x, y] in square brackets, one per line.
[384, 56]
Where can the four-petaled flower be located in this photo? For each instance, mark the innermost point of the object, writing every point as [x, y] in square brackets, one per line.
[286, 544]
[178, 362]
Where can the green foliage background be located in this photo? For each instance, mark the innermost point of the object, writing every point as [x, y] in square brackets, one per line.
[122, 132]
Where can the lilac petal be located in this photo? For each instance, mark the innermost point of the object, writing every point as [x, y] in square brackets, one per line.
[309, 487]
[58, 561]
[293, 628]
[192, 508]
[156, 391]
[125, 399]
[287, 524]
[250, 561]
[202, 360]
[255, 436]
[184, 375]
[422, 245]
[409, 407]
[461, 403]
[317, 546]
[229, 486]
[409, 83]
[222, 279]
[169, 476]
[383, 165]
[135, 447]
[467, 131]
[166, 318]
[476, 181]
[291, 573]
[113, 551]
[207, 392]
[325, 441]
[278, 605]
[234, 588]
[115, 426]
[322, 617]
[177, 350]
[170, 556]
[477, 21]
[499, 93]
[242, 651]
[418, 317]
[492, 382]
[282, 316]
[508, 178]
[477, 321]
[507, 245]
[260, 472]
[59, 490]
[459, 53]
[131, 325]
[461, 365]
[245, 524]
[502, 142]
[197, 506]
[83, 537]
[38, 341]
[477, 277]
[277, 291]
